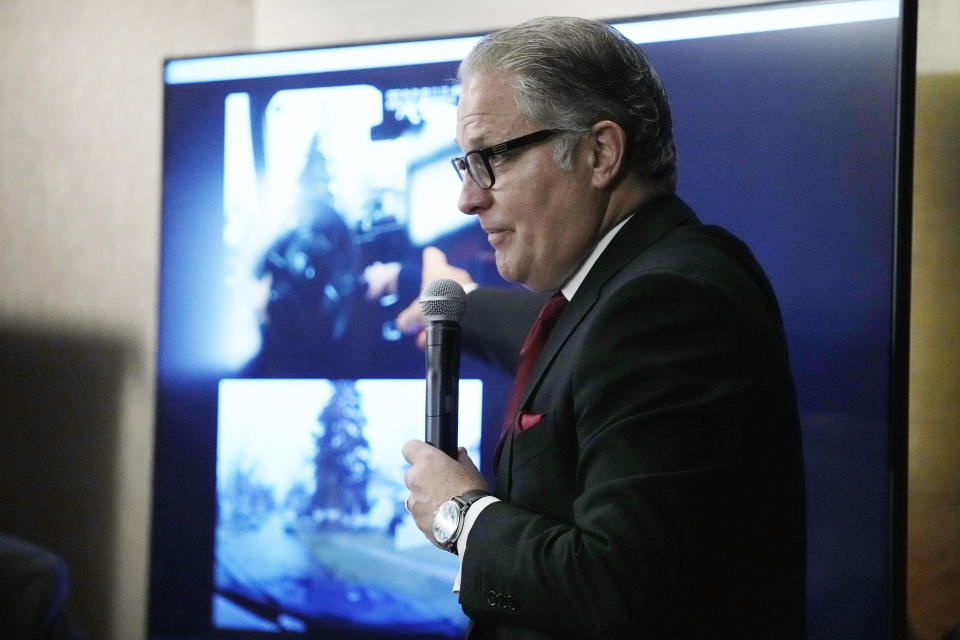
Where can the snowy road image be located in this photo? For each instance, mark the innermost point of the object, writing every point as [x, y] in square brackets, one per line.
[311, 531]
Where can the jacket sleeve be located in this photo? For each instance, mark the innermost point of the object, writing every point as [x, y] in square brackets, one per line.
[496, 321]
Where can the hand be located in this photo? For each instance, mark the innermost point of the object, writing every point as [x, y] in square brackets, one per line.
[433, 478]
[435, 266]
[382, 278]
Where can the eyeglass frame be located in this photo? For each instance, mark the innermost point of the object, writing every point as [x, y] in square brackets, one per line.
[461, 164]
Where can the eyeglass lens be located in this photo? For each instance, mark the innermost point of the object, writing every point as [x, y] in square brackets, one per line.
[479, 170]
[475, 167]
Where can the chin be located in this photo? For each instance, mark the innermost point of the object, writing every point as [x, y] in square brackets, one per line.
[524, 278]
[508, 274]
[534, 284]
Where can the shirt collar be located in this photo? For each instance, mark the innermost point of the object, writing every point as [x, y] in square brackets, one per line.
[569, 289]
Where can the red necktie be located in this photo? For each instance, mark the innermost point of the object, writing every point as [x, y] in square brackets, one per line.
[529, 352]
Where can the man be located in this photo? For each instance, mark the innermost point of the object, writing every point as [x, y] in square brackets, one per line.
[649, 481]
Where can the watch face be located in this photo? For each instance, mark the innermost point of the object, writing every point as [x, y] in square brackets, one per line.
[445, 522]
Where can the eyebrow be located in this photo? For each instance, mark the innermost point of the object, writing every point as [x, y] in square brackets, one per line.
[477, 143]
[480, 140]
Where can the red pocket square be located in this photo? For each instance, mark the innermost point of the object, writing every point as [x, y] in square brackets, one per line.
[527, 420]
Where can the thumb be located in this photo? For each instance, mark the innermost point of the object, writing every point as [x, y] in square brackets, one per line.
[464, 458]
[433, 257]
[435, 265]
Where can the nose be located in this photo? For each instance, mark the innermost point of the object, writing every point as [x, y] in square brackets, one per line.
[473, 199]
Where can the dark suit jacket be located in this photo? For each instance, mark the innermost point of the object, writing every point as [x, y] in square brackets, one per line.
[660, 496]
[33, 592]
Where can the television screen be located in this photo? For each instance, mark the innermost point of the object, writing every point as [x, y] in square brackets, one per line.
[299, 189]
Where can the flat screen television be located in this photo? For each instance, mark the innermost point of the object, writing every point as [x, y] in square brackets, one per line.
[299, 188]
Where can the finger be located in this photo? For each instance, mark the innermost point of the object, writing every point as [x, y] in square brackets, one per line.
[433, 260]
[412, 450]
[464, 458]
[410, 320]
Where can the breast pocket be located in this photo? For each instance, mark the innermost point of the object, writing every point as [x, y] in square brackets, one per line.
[544, 467]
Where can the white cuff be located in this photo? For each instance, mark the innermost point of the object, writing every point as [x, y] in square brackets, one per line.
[468, 520]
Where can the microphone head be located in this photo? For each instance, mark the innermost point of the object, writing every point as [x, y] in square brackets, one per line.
[443, 300]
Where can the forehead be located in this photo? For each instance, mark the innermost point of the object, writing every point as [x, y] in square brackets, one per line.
[487, 112]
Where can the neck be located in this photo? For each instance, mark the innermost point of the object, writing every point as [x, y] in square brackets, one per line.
[625, 198]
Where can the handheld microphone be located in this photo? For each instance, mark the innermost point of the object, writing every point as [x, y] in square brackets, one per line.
[442, 302]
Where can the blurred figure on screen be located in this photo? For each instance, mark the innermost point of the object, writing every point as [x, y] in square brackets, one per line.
[649, 472]
[312, 276]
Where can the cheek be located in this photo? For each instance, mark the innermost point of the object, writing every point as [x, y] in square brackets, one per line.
[557, 219]
[547, 246]
[565, 234]
[550, 218]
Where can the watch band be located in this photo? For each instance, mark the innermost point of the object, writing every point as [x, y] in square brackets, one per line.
[470, 497]
[464, 501]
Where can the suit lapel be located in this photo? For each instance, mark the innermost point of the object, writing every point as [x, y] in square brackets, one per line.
[651, 222]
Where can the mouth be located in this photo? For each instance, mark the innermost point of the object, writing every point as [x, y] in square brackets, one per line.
[492, 228]
[496, 235]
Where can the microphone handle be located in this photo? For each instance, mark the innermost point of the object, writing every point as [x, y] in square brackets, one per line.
[443, 385]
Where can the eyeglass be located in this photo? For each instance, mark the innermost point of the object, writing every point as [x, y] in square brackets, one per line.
[477, 163]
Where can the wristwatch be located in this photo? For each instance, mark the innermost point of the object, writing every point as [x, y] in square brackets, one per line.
[448, 520]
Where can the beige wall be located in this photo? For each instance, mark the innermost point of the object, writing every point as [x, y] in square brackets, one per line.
[289, 23]
[933, 530]
[80, 131]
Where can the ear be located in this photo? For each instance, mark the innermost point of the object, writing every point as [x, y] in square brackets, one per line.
[609, 145]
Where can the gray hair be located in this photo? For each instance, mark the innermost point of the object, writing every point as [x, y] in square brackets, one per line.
[569, 73]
